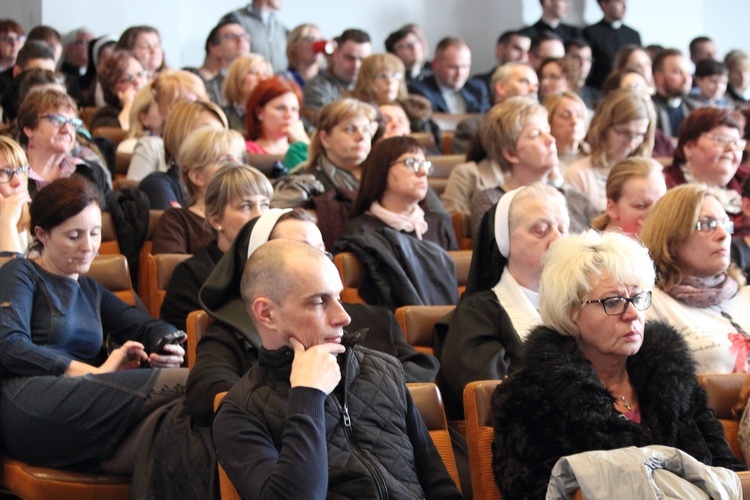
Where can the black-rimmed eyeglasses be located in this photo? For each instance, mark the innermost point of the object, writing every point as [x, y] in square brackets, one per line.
[615, 306]
[6, 174]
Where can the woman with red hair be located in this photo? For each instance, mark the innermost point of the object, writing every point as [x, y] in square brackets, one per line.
[272, 121]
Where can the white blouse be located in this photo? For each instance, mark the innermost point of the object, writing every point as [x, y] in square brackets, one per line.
[716, 344]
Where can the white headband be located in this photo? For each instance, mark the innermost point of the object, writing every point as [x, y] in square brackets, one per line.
[502, 229]
[263, 228]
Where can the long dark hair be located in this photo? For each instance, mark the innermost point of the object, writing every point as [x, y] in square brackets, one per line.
[375, 169]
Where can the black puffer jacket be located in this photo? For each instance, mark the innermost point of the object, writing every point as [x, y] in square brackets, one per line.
[555, 405]
[377, 446]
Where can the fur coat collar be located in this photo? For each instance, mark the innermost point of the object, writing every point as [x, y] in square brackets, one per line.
[555, 405]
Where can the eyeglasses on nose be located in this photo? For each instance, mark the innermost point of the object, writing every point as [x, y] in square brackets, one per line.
[61, 121]
[629, 136]
[387, 75]
[234, 37]
[133, 77]
[615, 306]
[709, 225]
[12, 39]
[724, 141]
[415, 165]
[6, 174]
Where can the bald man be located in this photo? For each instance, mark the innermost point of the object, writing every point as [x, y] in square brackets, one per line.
[315, 399]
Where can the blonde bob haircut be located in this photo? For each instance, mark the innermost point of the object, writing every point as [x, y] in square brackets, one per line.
[574, 265]
[181, 121]
[635, 167]
[503, 125]
[296, 36]
[553, 101]
[334, 113]
[669, 225]
[236, 73]
[371, 67]
[16, 158]
[141, 102]
[234, 182]
[205, 146]
[618, 108]
[171, 87]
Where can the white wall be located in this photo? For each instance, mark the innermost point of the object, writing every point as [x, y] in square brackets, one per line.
[184, 24]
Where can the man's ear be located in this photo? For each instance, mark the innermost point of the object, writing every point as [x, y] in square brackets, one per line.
[500, 93]
[264, 311]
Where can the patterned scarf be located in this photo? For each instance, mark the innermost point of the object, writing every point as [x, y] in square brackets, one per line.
[704, 292]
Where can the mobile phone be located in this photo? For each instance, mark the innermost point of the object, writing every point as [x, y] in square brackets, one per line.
[173, 338]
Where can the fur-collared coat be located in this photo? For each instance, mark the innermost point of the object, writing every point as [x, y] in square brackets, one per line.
[555, 405]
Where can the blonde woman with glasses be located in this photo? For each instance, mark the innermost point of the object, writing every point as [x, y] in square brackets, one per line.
[699, 291]
[623, 126]
[14, 197]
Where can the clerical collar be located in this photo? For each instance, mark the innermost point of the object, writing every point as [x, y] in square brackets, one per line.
[552, 24]
[616, 24]
[674, 102]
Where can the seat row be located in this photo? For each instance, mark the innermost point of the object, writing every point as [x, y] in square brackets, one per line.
[417, 323]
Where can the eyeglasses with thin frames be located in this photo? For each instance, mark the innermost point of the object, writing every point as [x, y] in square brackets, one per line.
[416, 165]
[61, 121]
[7, 174]
[134, 76]
[12, 39]
[629, 136]
[709, 225]
[234, 37]
[615, 306]
[387, 75]
[723, 141]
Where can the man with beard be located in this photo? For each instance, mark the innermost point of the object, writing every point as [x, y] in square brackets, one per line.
[673, 82]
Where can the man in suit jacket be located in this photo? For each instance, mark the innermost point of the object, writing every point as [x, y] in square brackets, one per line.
[553, 12]
[448, 89]
[606, 37]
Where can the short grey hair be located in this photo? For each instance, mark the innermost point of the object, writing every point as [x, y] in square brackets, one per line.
[502, 73]
[573, 265]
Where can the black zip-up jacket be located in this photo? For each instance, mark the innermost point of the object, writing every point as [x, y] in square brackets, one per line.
[364, 440]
